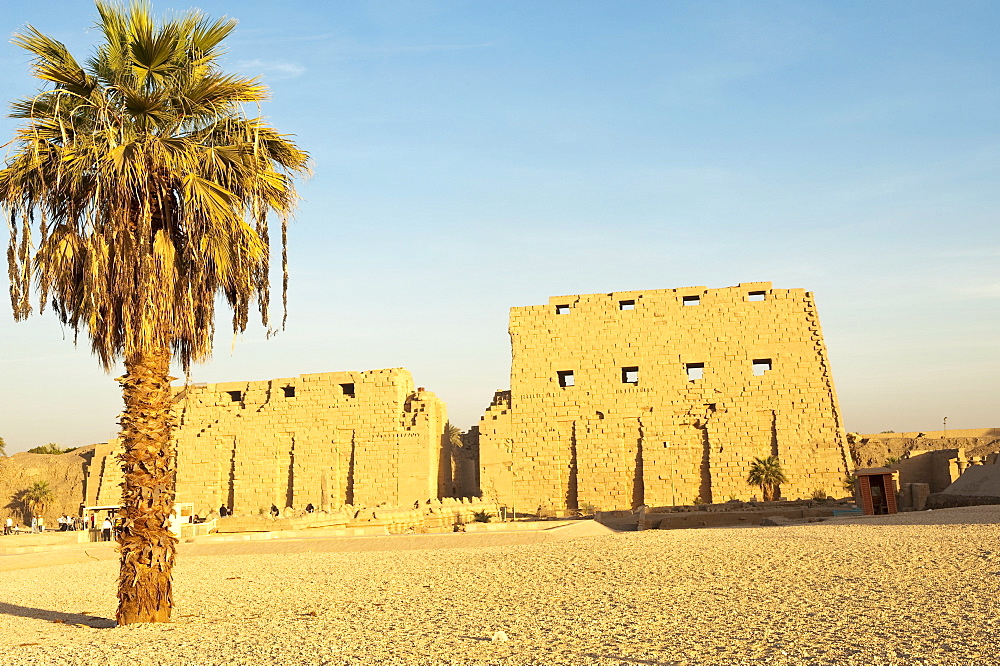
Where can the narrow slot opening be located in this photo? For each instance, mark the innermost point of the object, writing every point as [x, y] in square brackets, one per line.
[566, 378]
[630, 375]
[692, 300]
[761, 365]
[348, 390]
[756, 296]
[626, 305]
[235, 396]
[562, 309]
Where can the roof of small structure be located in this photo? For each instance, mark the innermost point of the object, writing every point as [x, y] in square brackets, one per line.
[873, 471]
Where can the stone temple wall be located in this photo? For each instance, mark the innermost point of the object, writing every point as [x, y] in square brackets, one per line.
[662, 397]
[327, 439]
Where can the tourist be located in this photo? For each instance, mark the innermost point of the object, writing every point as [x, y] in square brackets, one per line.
[8, 526]
[62, 523]
[34, 524]
[106, 527]
[274, 511]
[41, 524]
[223, 511]
[310, 508]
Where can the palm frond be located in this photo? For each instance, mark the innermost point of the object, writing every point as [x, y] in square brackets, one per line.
[147, 187]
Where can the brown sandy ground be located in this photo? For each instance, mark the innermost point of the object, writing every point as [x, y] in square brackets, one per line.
[908, 589]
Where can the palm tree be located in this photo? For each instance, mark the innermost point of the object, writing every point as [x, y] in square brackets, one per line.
[148, 187]
[37, 497]
[3, 447]
[766, 473]
[453, 434]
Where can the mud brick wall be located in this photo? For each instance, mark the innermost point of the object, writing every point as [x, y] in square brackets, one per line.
[329, 439]
[662, 397]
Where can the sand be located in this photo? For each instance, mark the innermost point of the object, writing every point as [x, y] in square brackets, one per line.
[908, 589]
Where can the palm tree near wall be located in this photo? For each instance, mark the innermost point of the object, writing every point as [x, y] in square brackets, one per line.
[140, 188]
[766, 474]
[36, 498]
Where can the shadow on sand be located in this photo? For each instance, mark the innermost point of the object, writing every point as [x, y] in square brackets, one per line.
[57, 616]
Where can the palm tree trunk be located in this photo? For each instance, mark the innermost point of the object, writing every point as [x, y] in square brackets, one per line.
[147, 547]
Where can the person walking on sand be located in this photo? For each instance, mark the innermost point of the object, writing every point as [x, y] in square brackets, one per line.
[34, 524]
[106, 529]
[8, 526]
[41, 524]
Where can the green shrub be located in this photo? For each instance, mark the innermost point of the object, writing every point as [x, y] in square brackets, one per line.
[482, 516]
[52, 448]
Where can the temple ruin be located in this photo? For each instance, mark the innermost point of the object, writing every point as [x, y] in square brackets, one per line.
[327, 439]
[662, 397]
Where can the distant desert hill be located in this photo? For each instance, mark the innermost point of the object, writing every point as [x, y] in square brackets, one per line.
[873, 450]
[63, 472]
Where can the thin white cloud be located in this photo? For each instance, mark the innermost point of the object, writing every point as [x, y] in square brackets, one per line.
[275, 69]
[427, 48]
[352, 50]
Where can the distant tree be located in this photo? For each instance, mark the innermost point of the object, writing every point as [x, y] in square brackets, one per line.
[766, 474]
[3, 447]
[36, 498]
[51, 448]
[891, 460]
[453, 435]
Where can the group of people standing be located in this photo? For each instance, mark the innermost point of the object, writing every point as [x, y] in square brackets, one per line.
[37, 525]
[70, 523]
[66, 524]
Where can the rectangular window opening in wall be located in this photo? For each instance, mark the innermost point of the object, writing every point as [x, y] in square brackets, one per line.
[692, 300]
[348, 390]
[562, 309]
[566, 378]
[235, 396]
[626, 305]
[761, 365]
[756, 296]
[630, 375]
[289, 391]
[695, 371]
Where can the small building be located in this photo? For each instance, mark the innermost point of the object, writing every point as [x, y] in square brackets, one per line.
[876, 490]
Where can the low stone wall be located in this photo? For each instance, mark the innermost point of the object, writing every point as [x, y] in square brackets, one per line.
[734, 513]
[950, 500]
[430, 515]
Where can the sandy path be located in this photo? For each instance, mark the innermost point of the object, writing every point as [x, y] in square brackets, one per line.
[849, 593]
[315, 544]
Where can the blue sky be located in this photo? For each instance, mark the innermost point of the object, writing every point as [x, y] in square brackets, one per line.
[471, 156]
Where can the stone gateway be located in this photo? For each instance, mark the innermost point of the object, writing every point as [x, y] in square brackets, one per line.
[327, 439]
[662, 397]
